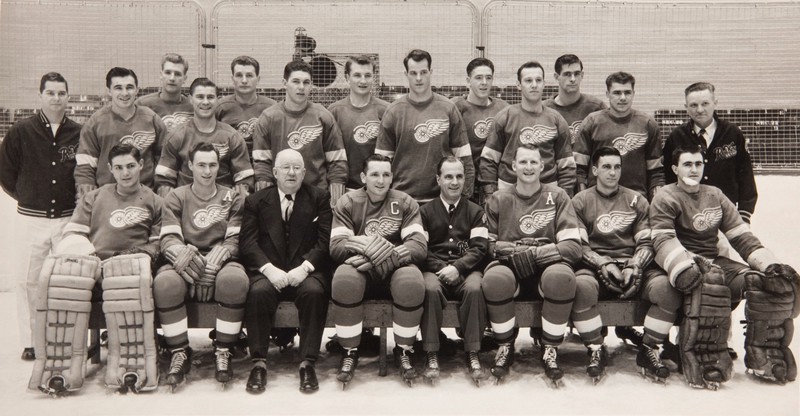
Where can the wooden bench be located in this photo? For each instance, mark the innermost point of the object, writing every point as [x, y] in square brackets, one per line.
[378, 314]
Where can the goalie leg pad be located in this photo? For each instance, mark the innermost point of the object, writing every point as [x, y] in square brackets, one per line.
[129, 309]
[703, 336]
[62, 320]
[769, 332]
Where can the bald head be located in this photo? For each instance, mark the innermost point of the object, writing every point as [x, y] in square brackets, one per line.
[289, 170]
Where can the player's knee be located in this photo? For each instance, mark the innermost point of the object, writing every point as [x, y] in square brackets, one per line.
[169, 288]
[558, 282]
[348, 285]
[232, 284]
[664, 295]
[407, 287]
[498, 284]
[587, 292]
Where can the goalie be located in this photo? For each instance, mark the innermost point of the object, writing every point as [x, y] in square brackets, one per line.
[377, 237]
[117, 224]
[200, 240]
[686, 218]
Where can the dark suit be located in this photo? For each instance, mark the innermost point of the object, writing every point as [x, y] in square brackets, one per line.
[265, 238]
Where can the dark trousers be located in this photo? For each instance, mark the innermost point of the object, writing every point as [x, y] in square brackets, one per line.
[311, 299]
[471, 310]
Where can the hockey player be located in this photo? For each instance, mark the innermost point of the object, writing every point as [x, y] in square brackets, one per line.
[528, 122]
[234, 165]
[121, 122]
[632, 132]
[727, 165]
[418, 129]
[299, 124]
[478, 109]
[37, 162]
[617, 252]
[285, 240]
[457, 248]
[174, 108]
[534, 238]
[200, 241]
[358, 116]
[241, 110]
[570, 102]
[119, 223]
[378, 239]
[686, 217]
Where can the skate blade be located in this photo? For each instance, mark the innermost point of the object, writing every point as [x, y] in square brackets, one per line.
[477, 383]
[597, 380]
[554, 384]
[344, 385]
[409, 383]
[712, 385]
[760, 376]
[652, 377]
[432, 380]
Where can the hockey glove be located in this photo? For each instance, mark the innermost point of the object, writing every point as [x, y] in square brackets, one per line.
[611, 277]
[186, 260]
[632, 277]
[689, 279]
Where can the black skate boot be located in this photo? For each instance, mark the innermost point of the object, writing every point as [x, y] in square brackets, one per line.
[551, 369]
[402, 358]
[179, 366]
[649, 361]
[629, 334]
[502, 361]
[222, 363]
[347, 368]
[431, 372]
[598, 358]
[672, 352]
[474, 367]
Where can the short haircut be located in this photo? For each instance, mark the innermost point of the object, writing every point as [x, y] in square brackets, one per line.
[447, 159]
[691, 149]
[202, 82]
[567, 59]
[119, 72]
[374, 158]
[418, 55]
[53, 77]
[245, 60]
[479, 62]
[359, 60]
[296, 66]
[122, 149]
[620, 77]
[526, 65]
[699, 86]
[604, 151]
[529, 146]
[175, 59]
[202, 147]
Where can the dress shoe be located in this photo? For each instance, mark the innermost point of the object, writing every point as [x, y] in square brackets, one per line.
[257, 382]
[308, 379]
[28, 354]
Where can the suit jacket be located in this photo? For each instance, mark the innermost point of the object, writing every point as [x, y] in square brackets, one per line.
[265, 238]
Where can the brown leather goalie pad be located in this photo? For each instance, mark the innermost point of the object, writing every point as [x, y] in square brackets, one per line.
[62, 319]
[770, 329]
[129, 310]
[703, 334]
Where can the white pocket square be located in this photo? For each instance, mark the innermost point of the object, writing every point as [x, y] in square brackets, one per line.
[315, 219]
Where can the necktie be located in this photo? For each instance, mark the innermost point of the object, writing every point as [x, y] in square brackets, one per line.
[702, 135]
[287, 213]
[450, 209]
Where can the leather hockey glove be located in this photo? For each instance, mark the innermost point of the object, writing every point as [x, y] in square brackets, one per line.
[187, 261]
[689, 279]
[632, 274]
[611, 277]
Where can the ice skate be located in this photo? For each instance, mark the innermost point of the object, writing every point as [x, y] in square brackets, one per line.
[672, 352]
[347, 368]
[629, 334]
[129, 381]
[551, 369]
[179, 366]
[402, 356]
[55, 387]
[223, 371]
[431, 372]
[474, 367]
[502, 361]
[598, 358]
[650, 366]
